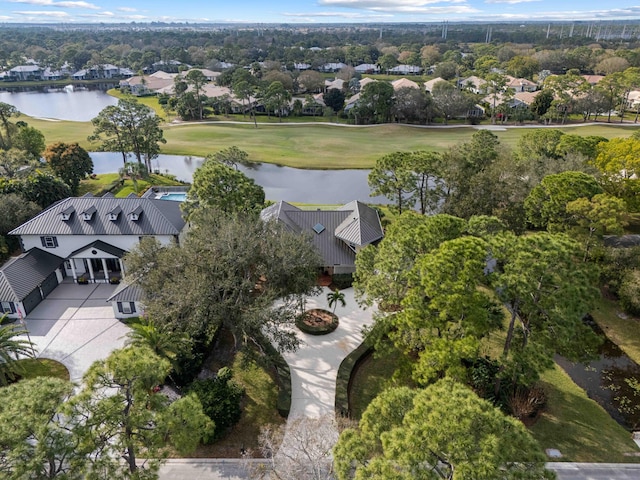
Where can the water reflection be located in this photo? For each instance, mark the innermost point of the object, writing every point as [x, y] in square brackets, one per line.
[279, 183]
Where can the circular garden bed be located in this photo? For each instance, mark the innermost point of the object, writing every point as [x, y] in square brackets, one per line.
[317, 322]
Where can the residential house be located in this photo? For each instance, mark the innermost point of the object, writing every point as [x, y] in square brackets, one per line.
[404, 83]
[147, 84]
[332, 67]
[336, 234]
[473, 84]
[210, 75]
[25, 72]
[428, 85]
[49, 74]
[366, 81]
[103, 71]
[521, 84]
[170, 66]
[593, 79]
[405, 70]
[370, 68]
[301, 66]
[336, 83]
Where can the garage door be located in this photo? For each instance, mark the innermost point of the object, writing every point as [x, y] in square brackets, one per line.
[31, 301]
[49, 284]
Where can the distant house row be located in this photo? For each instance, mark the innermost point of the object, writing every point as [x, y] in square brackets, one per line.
[34, 72]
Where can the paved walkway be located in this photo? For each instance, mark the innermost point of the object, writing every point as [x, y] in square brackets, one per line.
[314, 366]
[75, 326]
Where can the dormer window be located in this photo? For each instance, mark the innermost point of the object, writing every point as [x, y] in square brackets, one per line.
[87, 215]
[134, 215]
[65, 215]
[113, 214]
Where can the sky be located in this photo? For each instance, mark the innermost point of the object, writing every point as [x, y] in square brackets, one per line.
[312, 11]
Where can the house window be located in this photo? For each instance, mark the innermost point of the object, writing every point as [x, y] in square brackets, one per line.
[49, 242]
[7, 307]
[126, 307]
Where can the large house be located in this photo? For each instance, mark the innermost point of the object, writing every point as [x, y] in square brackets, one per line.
[336, 234]
[83, 239]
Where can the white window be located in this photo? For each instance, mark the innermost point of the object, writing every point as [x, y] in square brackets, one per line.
[6, 307]
[49, 242]
[126, 308]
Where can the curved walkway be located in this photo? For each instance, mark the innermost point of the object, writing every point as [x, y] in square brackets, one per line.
[314, 366]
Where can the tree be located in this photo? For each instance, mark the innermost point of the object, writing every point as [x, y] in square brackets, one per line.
[125, 417]
[70, 162]
[619, 157]
[523, 66]
[546, 205]
[427, 169]
[129, 127]
[29, 140]
[163, 342]
[392, 177]
[334, 98]
[450, 101]
[444, 431]
[16, 163]
[541, 143]
[135, 171]
[548, 290]
[376, 99]
[224, 188]
[231, 157]
[213, 279]
[445, 314]
[220, 398]
[7, 129]
[276, 98]
[35, 441]
[12, 348]
[383, 272]
[299, 450]
[587, 146]
[411, 105]
[311, 81]
[542, 102]
[42, 188]
[334, 298]
[592, 218]
[16, 210]
[245, 91]
[196, 80]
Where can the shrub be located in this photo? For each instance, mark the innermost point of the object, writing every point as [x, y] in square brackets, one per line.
[319, 329]
[629, 292]
[220, 398]
[342, 280]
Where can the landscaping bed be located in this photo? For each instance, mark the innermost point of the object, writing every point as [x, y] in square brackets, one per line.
[317, 322]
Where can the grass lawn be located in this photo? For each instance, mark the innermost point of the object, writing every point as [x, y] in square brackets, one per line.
[372, 376]
[623, 332]
[308, 146]
[96, 185]
[151, 101]
[578, 426]
[42, 367]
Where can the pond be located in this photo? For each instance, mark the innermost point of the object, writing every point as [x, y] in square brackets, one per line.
[77, 104]
[605, 381]
[279, 183]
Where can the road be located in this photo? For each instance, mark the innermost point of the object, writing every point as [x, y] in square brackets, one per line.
[230, 469]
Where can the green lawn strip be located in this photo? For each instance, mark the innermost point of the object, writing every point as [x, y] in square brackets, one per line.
[259, 409]
[577, 426]
[150, 101]
[308, 146]
[42, 367]
[371, 377]
[623, 332]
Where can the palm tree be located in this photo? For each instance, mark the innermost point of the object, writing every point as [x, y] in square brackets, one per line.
[11, 349]
[334, 298]
[164, 343]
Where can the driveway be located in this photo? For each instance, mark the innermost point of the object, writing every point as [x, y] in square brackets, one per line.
[75, 326]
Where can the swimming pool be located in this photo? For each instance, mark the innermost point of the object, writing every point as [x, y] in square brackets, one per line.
[175, 197]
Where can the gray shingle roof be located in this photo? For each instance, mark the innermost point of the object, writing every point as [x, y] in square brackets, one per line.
[126, 293]
[20, 276]
[352, 224]
[159, 217]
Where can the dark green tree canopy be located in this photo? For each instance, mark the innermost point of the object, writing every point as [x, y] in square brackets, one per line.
[70, 162]
[224, 188]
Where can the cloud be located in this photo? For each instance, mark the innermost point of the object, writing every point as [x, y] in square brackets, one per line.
[426, 7]
[511, 2]
[127, 9]
[308, 16]
[33, 13]
[60, 4]
[568, 15]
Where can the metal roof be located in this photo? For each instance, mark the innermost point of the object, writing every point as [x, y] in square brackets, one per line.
[159, 218]
[100, 245]
[21, 275]
[334, 233]
[126, 293]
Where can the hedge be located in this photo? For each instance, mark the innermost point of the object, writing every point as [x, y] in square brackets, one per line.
[283, 374]
[343, 380]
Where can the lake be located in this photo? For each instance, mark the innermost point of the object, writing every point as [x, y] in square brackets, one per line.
[79, 105]
[279, 183]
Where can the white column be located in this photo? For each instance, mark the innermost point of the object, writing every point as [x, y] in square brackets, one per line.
[93, 279]
[121, 267]
[73, 269]
[105, 270]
